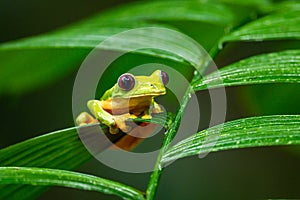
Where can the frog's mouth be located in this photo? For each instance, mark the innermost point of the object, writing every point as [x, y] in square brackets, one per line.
[152, 94]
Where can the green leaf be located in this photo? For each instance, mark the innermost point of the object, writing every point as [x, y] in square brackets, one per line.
[279, 67]
[60, 149]
[257, 4]
[242, 133]
[284, 6]
[33, 62]
[278, 26]
[46, 150]
[88, 36]
[54, 177]
[166, 11]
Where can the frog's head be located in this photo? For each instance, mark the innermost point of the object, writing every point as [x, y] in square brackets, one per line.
[129, 86]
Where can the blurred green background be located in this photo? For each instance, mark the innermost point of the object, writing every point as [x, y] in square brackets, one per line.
[258, 173]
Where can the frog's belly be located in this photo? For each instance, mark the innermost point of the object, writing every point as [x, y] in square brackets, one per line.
[120, 106]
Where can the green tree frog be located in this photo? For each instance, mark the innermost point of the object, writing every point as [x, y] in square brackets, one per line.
[131, 97]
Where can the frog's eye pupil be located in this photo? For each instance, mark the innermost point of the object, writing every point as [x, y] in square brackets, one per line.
[164, 77]
[126, 82]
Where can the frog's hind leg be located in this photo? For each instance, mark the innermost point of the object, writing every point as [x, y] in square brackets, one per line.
[135, 137]
[85, 118]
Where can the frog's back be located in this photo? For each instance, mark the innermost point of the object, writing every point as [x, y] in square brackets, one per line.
[107, 94]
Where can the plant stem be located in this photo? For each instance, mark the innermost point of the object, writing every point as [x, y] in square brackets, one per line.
[171, 132]
[169, 136]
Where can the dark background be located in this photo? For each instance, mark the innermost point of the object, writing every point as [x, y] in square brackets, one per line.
[257, 173]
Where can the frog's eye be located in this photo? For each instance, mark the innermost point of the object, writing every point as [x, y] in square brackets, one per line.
[164, 77]
[126, 82]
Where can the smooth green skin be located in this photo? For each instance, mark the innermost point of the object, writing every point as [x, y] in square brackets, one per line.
[140, 98]
[144, 86]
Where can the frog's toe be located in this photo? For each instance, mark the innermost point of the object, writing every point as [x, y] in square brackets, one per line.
[122, 126]
[120, 121]
[113, 130]
[132, 116]
[156, 108]
[85, 118]
[146, 116]
[125, 129]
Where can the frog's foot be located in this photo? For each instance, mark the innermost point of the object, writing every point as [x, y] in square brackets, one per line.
[156, 108]
[85, 118]
[146, 116]
[113, 129]
[132, 116]
[120, 121]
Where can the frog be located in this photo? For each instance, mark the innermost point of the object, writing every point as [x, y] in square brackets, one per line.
[129, 98]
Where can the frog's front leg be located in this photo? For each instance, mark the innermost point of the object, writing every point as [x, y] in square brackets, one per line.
[112, 121]
[102, 116]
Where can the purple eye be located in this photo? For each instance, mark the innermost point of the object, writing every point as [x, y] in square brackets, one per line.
[126, 82]
[164, 77]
